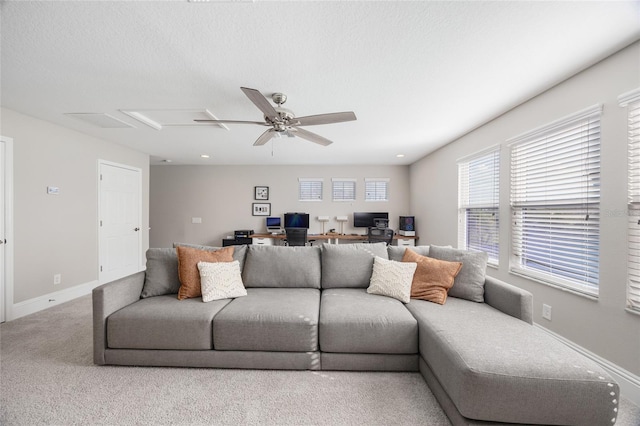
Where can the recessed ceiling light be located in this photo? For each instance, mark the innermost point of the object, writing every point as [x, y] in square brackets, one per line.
[205, 156]
[167, 161]
[400, 155]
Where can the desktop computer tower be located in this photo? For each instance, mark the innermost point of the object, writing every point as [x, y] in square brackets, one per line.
[407, 226]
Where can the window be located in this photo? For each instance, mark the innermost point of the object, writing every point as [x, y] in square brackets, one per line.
[632, 102]
[310, 189]
[376, 189]
[555, 202]
[478, 203]
[343, 189]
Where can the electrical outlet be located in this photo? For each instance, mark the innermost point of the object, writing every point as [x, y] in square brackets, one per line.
[546, 312]
[57, 279]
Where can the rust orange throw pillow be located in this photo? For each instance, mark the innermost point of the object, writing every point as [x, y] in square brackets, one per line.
[188, 272]
[433, 278]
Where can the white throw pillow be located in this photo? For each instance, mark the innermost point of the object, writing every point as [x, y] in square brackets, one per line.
[392, 279]
[221, 280]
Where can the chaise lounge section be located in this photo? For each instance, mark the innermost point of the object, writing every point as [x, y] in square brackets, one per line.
[308, 308]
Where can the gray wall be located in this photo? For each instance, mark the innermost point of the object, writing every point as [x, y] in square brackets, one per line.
[59, 234]
[222, 197]
[602, 326]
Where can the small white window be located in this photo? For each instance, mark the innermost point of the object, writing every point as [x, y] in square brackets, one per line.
[343, 189]
[631, 100]
[310, 189]
[376, 189]
[479, 202]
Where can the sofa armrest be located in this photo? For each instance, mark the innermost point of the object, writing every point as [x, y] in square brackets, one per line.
[509, 299]
[107, 299]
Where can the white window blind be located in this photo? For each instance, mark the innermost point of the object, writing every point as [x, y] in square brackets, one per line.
[376, 189]
[310, 189]
[632, 102]
[343, 189]
[555, 200]
[478, 203]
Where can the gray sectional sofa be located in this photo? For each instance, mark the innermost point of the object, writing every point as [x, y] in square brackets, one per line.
[308, 308]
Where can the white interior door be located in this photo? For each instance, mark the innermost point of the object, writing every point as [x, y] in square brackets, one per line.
[119, 221]
[2, 230]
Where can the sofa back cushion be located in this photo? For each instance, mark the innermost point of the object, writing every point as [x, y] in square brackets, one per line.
[278, 266]
[349, 265]
[397, 252]
[161, 276]
[469, 283]
[239, 252]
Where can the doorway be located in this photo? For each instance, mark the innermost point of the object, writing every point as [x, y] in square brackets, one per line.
[6, 227]
[119, 221]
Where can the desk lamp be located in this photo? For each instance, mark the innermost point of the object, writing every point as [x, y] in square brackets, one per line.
[342, 220]
[323, 219]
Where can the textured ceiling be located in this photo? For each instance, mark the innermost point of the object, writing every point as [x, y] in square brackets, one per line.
[417, 74]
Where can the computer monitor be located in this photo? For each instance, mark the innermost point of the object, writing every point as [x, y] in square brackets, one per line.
[296, 220]
[273, 223]
[366, 219]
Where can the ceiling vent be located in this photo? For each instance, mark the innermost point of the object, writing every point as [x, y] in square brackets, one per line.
[160, 118]
[100, 120]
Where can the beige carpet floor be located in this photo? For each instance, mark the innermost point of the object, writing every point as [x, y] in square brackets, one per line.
[47, 377]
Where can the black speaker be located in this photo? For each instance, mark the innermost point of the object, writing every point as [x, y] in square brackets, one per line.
[407, 223]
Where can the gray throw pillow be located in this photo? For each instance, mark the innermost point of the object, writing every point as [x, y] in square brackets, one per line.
[349, 265]
[161, 276]
[279, 266]
[239, 252]
[397, 253]
[469, 283]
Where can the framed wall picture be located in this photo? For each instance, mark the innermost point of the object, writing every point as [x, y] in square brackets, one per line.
[261, 193]
[261, 209]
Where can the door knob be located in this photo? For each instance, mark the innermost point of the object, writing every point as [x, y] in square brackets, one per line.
[136, 229]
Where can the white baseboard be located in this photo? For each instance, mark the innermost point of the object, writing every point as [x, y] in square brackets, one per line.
[40, 303]
[629, 382]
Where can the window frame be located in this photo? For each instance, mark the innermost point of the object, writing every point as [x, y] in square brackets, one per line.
[311, 188]
[631, 101]
[348, 186]
[555, 203]
[375, 191]
[485, 199]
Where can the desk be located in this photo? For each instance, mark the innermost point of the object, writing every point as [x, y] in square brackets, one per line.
[271, 239]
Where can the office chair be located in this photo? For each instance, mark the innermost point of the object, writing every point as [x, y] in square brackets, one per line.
[296, 236]
[380, 235]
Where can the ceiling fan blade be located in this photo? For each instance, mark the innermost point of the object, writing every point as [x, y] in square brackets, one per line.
[334, 117]
[262, 103]
[265, 137]
[305, 134]
[202, 120]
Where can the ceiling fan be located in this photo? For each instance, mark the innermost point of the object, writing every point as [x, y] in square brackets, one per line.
[283, 121]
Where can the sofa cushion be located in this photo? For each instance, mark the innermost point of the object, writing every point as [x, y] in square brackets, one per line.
[239, 251]
[397, 252]
[469, 283]
[433, 278]
[164, 322]
[188, 258]
[392, 279]
[352, 321]
[161, 276]
[221, 280]
[282, 266]
[497, 368]
[269, 319]
[349, 265]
